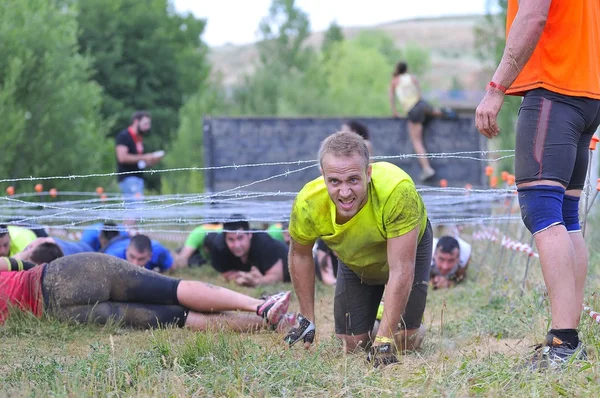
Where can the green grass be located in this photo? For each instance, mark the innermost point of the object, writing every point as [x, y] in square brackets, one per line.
[478, 336]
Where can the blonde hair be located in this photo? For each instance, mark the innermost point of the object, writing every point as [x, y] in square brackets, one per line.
[344, 143]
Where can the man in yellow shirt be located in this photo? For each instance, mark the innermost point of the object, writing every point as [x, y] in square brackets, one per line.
[374, 219]
[14, 239]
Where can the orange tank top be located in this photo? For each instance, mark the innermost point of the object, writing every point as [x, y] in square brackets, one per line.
[567, 57]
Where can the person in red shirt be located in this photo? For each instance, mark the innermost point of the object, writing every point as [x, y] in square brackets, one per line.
[95, 287]
[551, 58]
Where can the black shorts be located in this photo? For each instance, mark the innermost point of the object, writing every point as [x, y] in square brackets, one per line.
[420, 112]
[553, 137]
[356, 303]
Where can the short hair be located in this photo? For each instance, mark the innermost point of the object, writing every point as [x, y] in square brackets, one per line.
[139, 115]
[45, 253]
[346, 144]
[237, 221]
[358, 128]
[3, 230]
[401, 68]
[141, 243]
[109, 231]
[447, 244]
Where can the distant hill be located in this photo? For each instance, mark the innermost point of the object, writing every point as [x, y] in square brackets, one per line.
[450, 40]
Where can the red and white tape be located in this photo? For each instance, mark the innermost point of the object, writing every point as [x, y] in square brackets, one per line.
[595, 315]
[494, 235]
[518, 246]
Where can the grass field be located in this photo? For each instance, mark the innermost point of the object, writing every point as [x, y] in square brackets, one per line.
[478, 336]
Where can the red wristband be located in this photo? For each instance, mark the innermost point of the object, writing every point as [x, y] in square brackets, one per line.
[497, 87]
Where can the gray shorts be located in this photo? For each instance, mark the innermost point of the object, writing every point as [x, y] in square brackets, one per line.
[553, 137]
[356, 303]
[420, 112]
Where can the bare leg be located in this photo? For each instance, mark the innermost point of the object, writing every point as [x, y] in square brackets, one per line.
[352, 342]
[557, 257]
[228, 320]
[410, 340]
[406, 340]
[560, 267]
[581, 260]
[204, 297]
[415, 132]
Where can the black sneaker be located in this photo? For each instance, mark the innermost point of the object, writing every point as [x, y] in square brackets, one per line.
[554, 354]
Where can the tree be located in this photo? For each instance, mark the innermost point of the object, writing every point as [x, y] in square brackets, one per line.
[146, 56]
[357, 80]
[283, 32]
[49, 107]
[281, 54]
[333, 35]
[187, 149]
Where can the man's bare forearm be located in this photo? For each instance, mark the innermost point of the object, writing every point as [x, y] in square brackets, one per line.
[395, 298]
[302, 272]
[522, 40]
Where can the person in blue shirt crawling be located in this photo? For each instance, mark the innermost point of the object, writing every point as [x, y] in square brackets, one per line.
[141, 251]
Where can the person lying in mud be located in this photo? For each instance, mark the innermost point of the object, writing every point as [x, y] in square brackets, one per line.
[95, 287]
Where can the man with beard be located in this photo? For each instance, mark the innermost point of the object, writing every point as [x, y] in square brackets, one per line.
[131, 158]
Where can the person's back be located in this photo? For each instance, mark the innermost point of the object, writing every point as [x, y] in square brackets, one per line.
[567, 57]
[22, 289]
[69, 248]
[407, 92]
[161, 257]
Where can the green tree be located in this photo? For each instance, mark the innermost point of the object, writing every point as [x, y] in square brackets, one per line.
[417, 57]
[187, 149]
[333, 35]
[381, 42]
[281, 54]
[490, 37]
[146, 56]
[357, 80]
[49, 107]
[283, 32]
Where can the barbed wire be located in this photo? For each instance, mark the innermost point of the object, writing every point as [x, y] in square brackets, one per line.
[449, 155]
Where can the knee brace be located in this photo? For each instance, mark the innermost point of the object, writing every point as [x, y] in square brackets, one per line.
[541, 206]
[570, 213]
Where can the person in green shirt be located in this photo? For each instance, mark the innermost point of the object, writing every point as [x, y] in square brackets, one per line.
[193, 251]
[279, 231]
[14, 239]
[376, 221]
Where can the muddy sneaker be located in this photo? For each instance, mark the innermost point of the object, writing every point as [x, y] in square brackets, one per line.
[285, 322]
[274, 307]
[554, 354]
[426, 174]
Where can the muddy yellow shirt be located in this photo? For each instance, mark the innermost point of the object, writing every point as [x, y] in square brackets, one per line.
[20, 238]
[394, 208]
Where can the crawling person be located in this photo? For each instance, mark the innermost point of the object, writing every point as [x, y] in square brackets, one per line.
[95, 287]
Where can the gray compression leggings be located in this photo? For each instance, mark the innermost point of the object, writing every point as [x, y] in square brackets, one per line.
[95, 287]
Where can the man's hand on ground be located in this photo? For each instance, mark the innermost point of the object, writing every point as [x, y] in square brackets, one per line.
[250, 279]
[305, 330]
[382, 354]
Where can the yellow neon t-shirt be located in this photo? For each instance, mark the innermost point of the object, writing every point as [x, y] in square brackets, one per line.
[20, 238]
[394, 208]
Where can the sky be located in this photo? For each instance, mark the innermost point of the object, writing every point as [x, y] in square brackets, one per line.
[236, 21]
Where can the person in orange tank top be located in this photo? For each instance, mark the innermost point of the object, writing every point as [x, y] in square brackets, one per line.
[552, 59]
